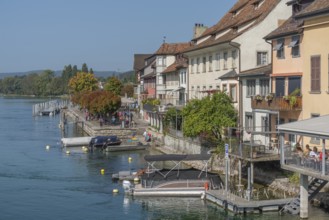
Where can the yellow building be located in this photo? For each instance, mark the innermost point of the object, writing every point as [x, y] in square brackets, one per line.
[315, 48]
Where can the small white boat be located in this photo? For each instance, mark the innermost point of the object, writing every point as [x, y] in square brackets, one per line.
[76, 141]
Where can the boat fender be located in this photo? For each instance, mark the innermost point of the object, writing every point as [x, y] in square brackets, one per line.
[102, 171]
[115, 191]
[203, 195]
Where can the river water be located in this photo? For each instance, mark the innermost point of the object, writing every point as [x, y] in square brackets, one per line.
[36, 183]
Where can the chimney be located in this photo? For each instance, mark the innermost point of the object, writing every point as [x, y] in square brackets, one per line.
[198, 30]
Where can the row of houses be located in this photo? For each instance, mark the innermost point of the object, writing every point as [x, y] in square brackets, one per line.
[270, 56]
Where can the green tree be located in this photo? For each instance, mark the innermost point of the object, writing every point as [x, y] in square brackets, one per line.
[114, 85]
[84, 68]
[209, 116]
[127, 89]
[75, 70]
[91, 71]
[83, 82]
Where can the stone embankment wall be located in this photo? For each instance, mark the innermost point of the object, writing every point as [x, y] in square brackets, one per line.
[92, 129]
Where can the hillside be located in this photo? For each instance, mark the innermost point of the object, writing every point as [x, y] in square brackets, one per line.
[103, 74]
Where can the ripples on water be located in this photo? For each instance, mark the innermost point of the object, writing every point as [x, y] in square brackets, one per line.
[49, 184]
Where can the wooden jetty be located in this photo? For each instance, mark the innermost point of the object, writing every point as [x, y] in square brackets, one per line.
[127, 147]
[49, 108]
[240, 205]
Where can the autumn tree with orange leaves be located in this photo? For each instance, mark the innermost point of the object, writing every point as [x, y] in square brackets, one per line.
[85, 93]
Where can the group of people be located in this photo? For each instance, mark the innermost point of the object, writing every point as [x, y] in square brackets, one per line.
[147, 136]
[309, 153]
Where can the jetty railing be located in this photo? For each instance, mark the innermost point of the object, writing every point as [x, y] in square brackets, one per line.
[51, 107]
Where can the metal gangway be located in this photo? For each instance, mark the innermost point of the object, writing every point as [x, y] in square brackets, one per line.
[293, 207]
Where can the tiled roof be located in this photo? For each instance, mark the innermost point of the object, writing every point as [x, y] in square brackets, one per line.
[316, 8]
[150, 75]
[139, 61]
[229, 75]
[241, 13]
[171, 68]
[172, 49]
[289, 27]
[180, 63]
[263, 70]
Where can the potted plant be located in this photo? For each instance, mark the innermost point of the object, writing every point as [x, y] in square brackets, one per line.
[270, 97]
[293, 97]
[259, 98]
[286, 98]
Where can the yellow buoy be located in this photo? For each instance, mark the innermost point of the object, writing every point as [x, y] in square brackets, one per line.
[68, 152]
[115, 191]
[136, 179]
[129, 159]
[102, 171]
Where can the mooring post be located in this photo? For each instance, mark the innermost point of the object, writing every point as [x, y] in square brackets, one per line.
[249, 185]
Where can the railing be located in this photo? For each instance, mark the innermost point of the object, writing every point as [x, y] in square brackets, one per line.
[305, 163]
[248, 150]
[277, 103]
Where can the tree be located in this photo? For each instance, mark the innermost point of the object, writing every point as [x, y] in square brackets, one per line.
[83, 82]
[127, 89]
[209, 116]
[84, 68]
[98, 102]
[114, 85]
[91, 71]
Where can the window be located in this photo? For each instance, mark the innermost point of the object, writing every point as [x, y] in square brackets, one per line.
[293, 84]
[315, 140]
[233, 92]
[192, 65]
[264, 87]
[204, 88]
[294, 44]
[261, 58]
[204, 60]
[279, 47]
[198, 65]
[218, 87]
[233, 59]
[224, 86]
[279, 86]
[217, 61]
[315, 73]
[160, 61]
[225, 60]
[265, 124]
[291, 137]
[249, 122]
[251, 85]
[210, 63]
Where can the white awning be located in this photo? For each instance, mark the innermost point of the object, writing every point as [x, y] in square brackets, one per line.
[177, 89]
[317, 126]
[293, 43]
[278, 46]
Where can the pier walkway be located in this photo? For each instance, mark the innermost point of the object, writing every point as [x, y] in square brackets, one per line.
[240, 205]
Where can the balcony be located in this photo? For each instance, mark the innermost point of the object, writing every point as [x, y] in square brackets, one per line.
[277, 103]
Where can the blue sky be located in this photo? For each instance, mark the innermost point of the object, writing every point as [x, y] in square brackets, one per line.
[105, 34]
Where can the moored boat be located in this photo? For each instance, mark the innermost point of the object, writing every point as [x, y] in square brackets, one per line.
[102, 142]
